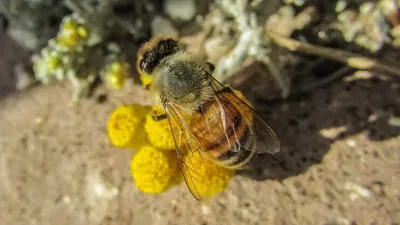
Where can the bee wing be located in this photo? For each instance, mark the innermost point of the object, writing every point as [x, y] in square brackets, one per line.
[260, 133]
[259, 138]
[186, 149]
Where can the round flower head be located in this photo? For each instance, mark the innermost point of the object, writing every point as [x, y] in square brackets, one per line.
[155, 170]
[71, 33]
[116, 73]
[205, 177]
[159, 132]
[125, 126]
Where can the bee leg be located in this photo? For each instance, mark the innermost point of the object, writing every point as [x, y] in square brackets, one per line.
[211, 67]
[226, 90]
[159, 117]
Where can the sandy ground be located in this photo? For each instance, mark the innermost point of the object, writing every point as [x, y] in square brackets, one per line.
[339, 162]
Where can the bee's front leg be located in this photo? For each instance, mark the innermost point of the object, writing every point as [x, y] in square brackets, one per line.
[227, 89]
[158, 117]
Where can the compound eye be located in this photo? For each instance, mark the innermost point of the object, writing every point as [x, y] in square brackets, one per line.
[148, 63]
[142, 65]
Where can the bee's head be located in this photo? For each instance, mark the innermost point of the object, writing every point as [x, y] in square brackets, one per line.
[153, 52]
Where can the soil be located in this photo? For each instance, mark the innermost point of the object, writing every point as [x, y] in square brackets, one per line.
[339, 164]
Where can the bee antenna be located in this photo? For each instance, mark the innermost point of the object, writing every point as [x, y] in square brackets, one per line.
[211, 67]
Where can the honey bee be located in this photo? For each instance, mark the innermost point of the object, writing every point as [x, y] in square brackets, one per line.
[212, 119]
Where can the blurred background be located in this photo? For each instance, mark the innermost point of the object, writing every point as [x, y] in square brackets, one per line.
[324, 74]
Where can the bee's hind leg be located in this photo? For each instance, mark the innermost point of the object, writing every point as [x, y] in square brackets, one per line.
[159, 117]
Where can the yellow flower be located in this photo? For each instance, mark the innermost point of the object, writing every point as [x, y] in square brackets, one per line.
[115, 81]
[68, 40]
[125, 126]
[52, 61]
[155, 170]
[209, 178]
[68, 36]
[116, 74]
[69, 24]
[82, 31]
[159, 132]
[71, 33]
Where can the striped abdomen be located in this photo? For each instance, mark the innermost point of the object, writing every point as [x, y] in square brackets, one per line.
[223, 132]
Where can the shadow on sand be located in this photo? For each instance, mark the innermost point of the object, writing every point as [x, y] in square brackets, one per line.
[346, 108]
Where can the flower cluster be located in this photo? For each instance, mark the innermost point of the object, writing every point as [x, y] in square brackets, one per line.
[155, 167]
[76, 53]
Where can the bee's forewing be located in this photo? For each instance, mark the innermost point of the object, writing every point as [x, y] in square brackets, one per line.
[184, 148]
[261, 134]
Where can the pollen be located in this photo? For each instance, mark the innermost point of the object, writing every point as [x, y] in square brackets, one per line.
[155, 170]
[125, 126]
[159, 132]
[146, 80]
[205, 177]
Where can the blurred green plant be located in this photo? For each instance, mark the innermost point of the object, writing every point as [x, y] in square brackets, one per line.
[31, 23]
[77, 54]
[97, 39]
[86, 41]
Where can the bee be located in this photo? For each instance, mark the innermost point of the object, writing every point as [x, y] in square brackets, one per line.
[212, 119]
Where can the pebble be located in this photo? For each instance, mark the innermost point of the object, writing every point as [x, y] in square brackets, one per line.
[332, 133]
[180, 9]
[66, 199]
[351, 143]
[356, 190]
[161, 26]
[205, 210]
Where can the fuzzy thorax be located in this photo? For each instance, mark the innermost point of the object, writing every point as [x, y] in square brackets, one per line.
[183, 80]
